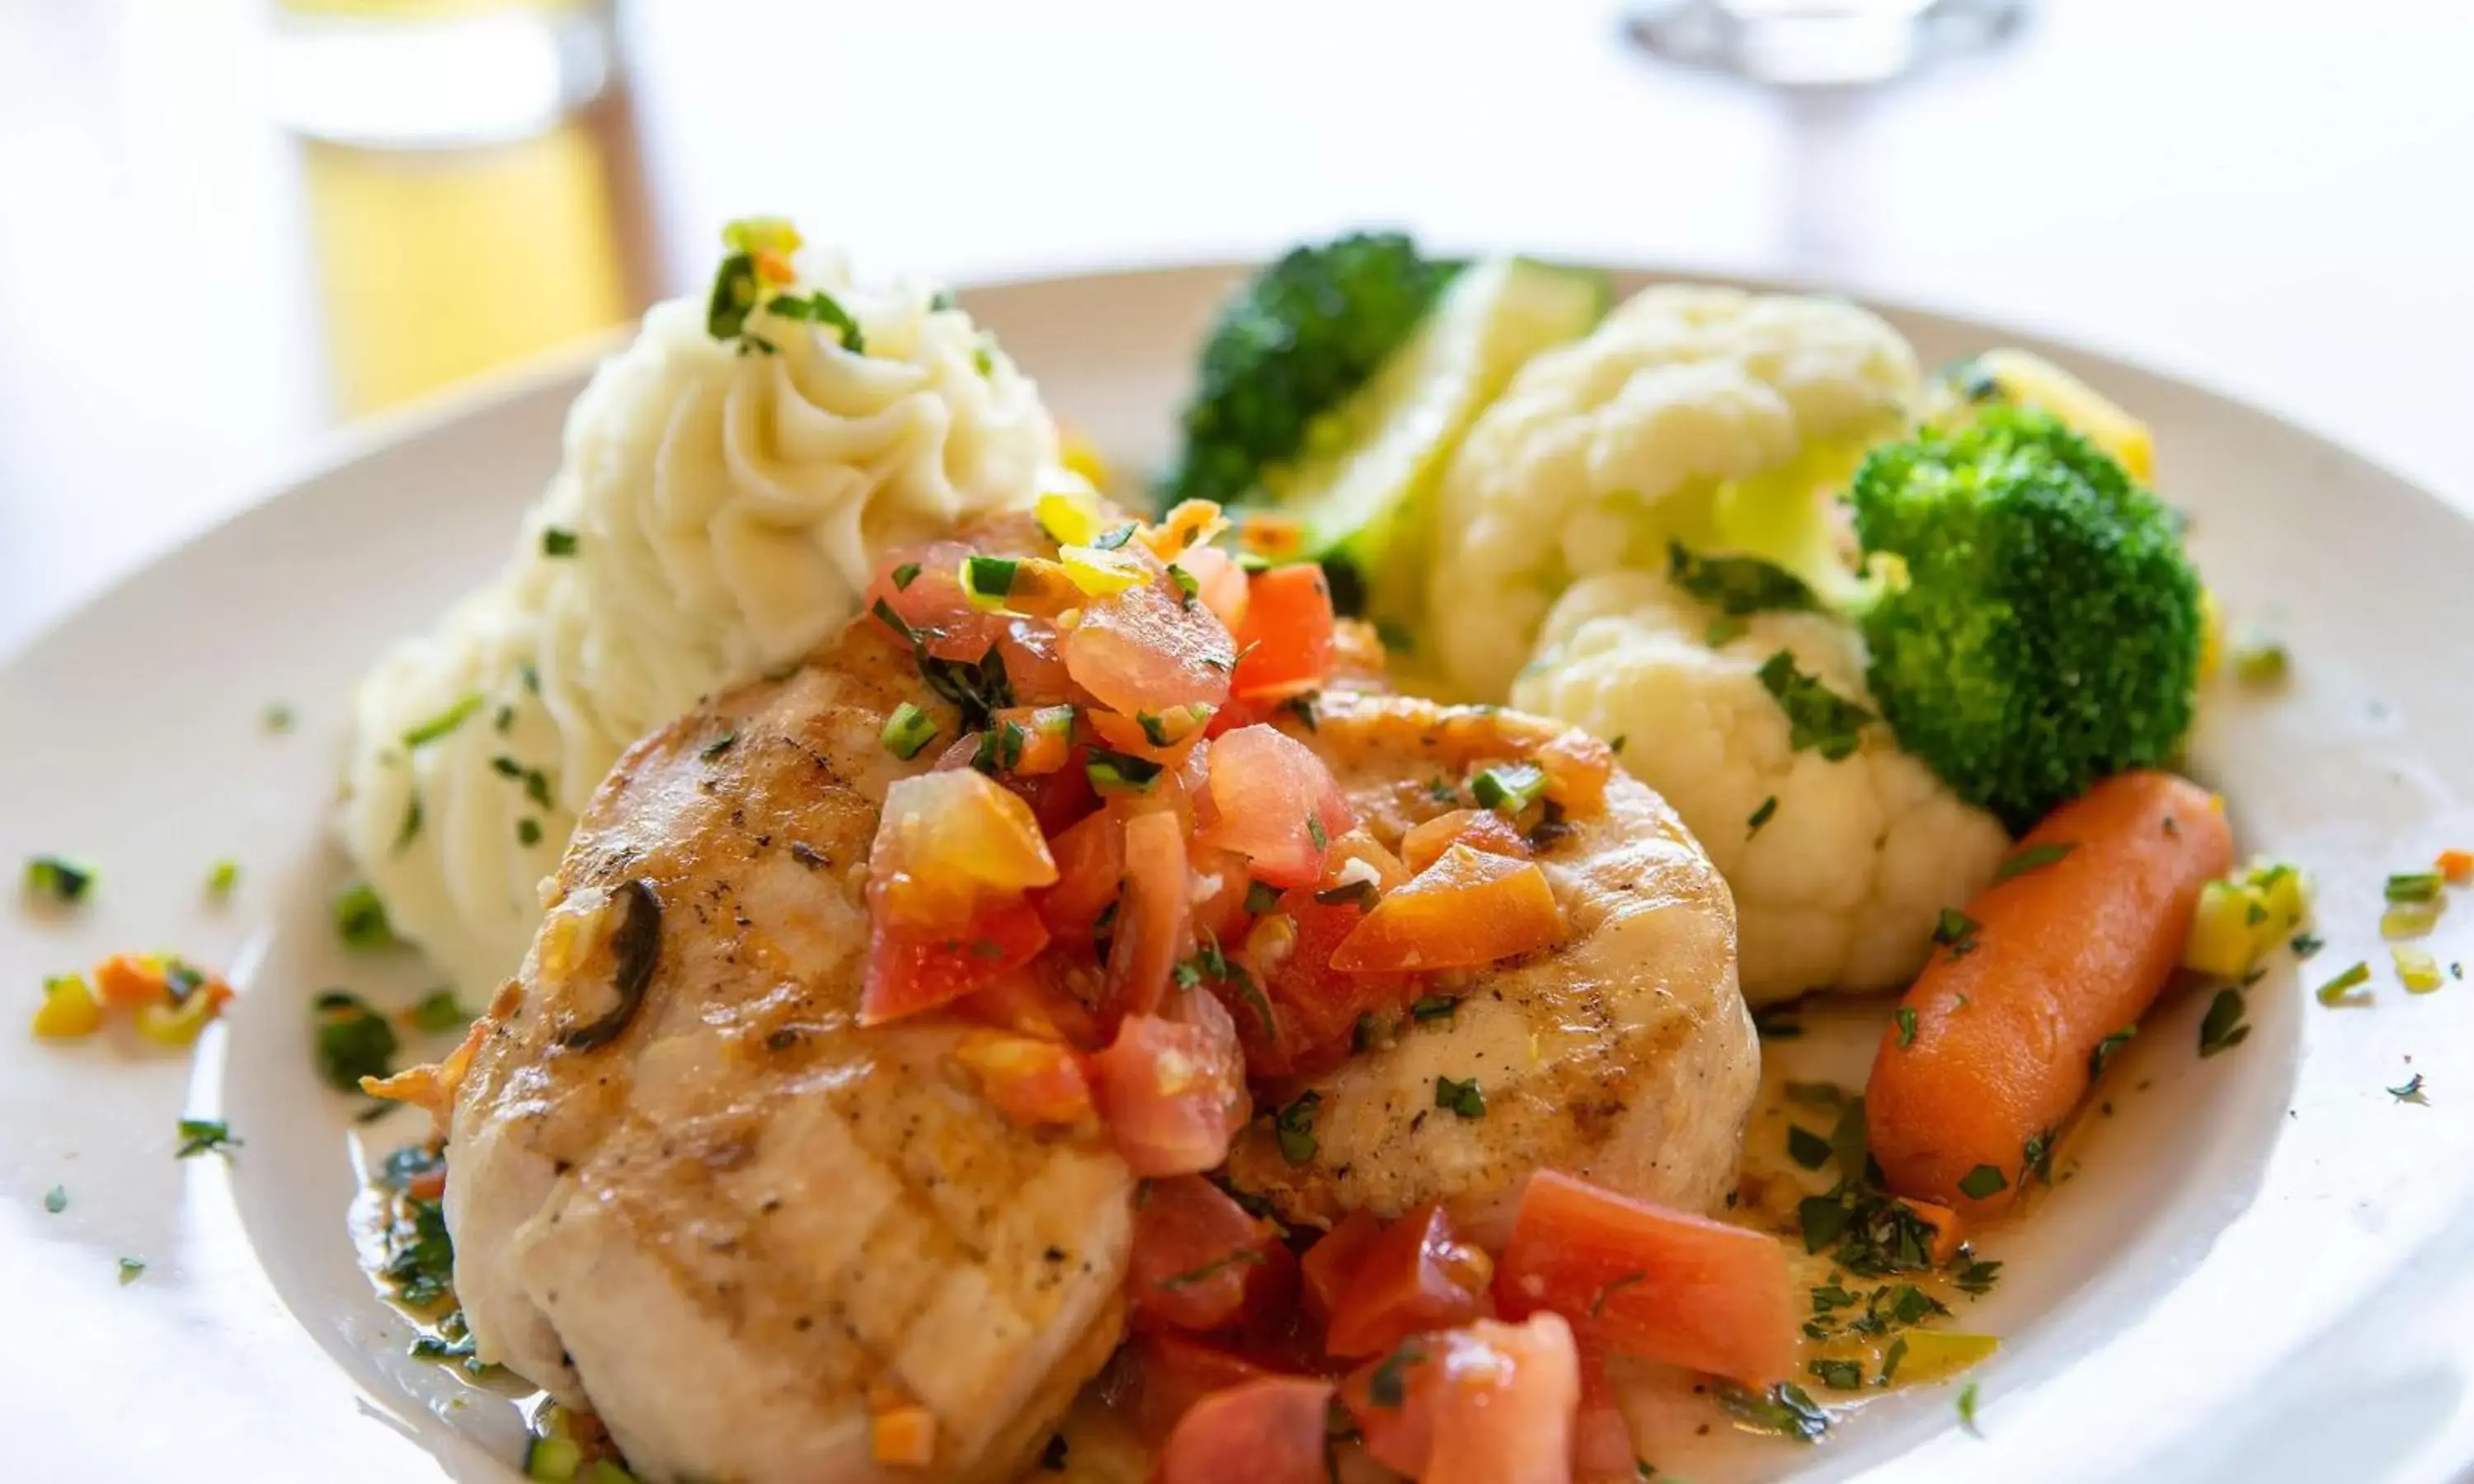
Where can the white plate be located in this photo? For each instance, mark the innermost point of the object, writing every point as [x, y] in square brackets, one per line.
[2261, 1271]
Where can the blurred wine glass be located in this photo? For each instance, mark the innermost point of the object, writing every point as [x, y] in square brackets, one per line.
[1820, 43]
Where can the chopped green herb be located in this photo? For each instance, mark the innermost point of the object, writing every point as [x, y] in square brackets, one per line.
[2415, 886]
[2222, 1028]
[1305, 709]
[1388, 1386]
[1907, 1019]
[2338, 991]
[1955, 931]
[1112, 540]
[1817, 717]
[1839, 1374]
[1363, 896]
[1315, 832]
[1000, 749]
[1188, 585]
[983, 356]
[556, 542]
[1433, 1007]
[907, 730]
[361, 919]
[1461, 1097]
[2258, 660]
[820, 308]
[2036, 1157]
[1982, 1183]
[351, 1039]
[1616, 743]
[1121, 773]
[1760, 816]
[1785, 1409]
[1508, 787]
[1261, 897]
[736, 289]
[1293, 1127]
[2107, 1048]
[1724, 631]
[1243, 1257]
[2034, 857]
[1967, 1408]
[278, 717]
[1610, 1288]
[437, 1012]
[1444, 791]
[2304, 945]
[1737, 585]
[56, 1200]
[2410, 1091]
[58, 878]
[711, 751]
[988, 581]
[130, 1269]
[905, 574]
[940, 301]
[1805, 1147]
[1890, 1359]
[204, 1136]
[1977, 1279]
[410, 829]
[529, 832]
[443, 723]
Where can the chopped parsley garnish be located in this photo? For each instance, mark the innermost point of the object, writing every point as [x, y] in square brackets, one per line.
[557, 542]
[988, 581]
[1907, 1020]
[905, 574]
[1839, 1374]
[1977, 1279]
[2338, 992]
[204, 1136]
[2304, 945]
[1293, 1127]
[1967, 1408]
[1507, 788]
[2034, 857]
[1120, 773]
[1112, 540]
[940, 301]
[2410, 1091]
[1724, 631]
[1805, 1147]
[278, 717]
[1306, 708]
[438, 1010]
[58, 878]
[1243, 1257]
[1461, 1097]
[907, 730]
[1891, 1357]
[1817, 717]
[351, 1039]
[130, 1269]
[1261, 897]
[2107, 1049]
[1785, 1409]
[1315, 832]
[443, 723]
[1444, 791]
[361, 919]
[984, 356]
[2036, 1157]
[1000, 749]
[2415, 886]
[1955, 931]
[1363, 896]
[1983, 1182]
[1388, 1385]
[2258, 660]
[711, 751]
[1188, 585]
[820, 308]
[56, 1200]
[529, 832]
[421, 1256]
[1737, 585]
[735, 292]
[2222, 1029]
[1760, 816]
[1433, 1007]
[410, 829]
[222, 877]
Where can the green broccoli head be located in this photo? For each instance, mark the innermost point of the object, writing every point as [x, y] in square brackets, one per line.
[2046, 630]
[1294, 343]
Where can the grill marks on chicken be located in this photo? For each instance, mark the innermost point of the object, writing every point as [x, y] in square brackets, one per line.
[741, 1224]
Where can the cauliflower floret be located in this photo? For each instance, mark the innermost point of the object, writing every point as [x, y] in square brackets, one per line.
[1840, 884]
[1649, 429]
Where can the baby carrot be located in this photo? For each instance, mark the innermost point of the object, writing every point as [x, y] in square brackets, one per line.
[1989, 1051]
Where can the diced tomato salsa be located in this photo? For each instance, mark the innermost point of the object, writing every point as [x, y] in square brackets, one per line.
[1130, 879]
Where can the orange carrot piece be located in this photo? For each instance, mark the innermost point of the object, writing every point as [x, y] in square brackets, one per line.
[1989, 1050]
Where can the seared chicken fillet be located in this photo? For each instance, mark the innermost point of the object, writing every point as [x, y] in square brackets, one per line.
[1624, 1055]
[689, 1194]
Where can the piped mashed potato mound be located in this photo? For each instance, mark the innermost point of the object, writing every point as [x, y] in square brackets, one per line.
[1701, 414]
[1840, 882]
[730, 481]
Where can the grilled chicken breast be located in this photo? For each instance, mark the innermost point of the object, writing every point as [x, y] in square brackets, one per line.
[689, 1194]
[1624, 1055]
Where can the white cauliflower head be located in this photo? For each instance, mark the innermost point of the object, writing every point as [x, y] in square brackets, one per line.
[1602, 450]
[1840, 883]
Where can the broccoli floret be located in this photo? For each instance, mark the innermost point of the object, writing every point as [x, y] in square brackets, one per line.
[2046, 629]
[1294, 343]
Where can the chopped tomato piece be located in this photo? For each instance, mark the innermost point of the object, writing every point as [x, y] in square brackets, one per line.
[1164, 739]
[1278, 804]
[923, 587]
[947, 843]
[1201, 1262]
[1267, 1431]
[1219, 581]
[1221, 887]
[1602, 1445]
[1663, 1284]
[1174, 1371]
[1174, 1090]
[1153, 928]
[1330, 1265]
[1046, 735]
[1286, 637]
[1318, 1005]
[1035, 662]
[1144, 649]
[1577, 766]
[1033, 1082]
[1470, 908]
[1029, 1001]
[1485, 1403]
[1414, 1276]
[1358, 845]
[1480, 829]
[914, 968]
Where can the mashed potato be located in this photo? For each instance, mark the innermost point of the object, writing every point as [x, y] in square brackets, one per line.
[1839, 883]
[720, 509]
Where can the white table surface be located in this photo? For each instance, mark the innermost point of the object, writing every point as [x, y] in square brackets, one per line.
[2271, 198]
